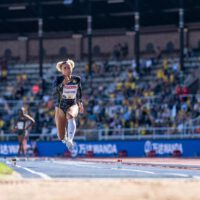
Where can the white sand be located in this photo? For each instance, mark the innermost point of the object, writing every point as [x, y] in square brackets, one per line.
[100, 189]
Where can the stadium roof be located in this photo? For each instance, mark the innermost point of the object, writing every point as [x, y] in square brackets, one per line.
[21, 16]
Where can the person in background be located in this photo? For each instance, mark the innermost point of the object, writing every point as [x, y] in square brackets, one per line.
[21, 127]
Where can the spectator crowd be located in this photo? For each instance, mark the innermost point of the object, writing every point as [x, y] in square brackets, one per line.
[160, 95]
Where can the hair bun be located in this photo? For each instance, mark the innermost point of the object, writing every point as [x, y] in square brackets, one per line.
[71, 63]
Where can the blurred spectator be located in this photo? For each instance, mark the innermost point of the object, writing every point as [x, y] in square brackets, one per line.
[44, 132]
[124, 50]
[53, 133]
[36, 89]
[2, 123]
[3, 70]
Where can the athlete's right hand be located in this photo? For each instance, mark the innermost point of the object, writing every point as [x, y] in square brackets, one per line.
[65, 81]
[62, 84]
[81, 108]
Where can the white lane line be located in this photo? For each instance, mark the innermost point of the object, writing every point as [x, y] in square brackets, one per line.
[42, 175]
[79, 164]
[8, 162]
[134, 170]
[115, 168]
[177, 174]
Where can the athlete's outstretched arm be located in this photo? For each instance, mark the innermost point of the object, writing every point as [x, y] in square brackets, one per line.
[28, 117]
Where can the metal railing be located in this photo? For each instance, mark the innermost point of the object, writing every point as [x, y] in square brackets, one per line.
[150, 133]
[34, 136]
[121, 134]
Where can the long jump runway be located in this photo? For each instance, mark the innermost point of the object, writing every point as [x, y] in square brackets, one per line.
[55, 168]
[100, 179]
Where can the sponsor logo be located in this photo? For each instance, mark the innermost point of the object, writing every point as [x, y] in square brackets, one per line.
[71, 86]
[10, 149]
[96, 148]
[70, 92]
[162, 148]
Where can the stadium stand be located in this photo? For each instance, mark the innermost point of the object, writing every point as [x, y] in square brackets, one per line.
[118, 100]
[160, 99]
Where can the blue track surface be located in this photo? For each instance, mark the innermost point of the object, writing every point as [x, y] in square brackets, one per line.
[64, 169]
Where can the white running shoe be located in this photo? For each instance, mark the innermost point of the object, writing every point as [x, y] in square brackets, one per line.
[69, 144]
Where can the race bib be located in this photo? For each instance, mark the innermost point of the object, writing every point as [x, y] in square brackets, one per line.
[20, 125]
[69, 91]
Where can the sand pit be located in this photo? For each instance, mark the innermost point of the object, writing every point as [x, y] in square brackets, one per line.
[100, 189]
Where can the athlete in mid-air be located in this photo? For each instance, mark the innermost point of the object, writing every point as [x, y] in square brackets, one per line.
[21, 127]
[67, 94]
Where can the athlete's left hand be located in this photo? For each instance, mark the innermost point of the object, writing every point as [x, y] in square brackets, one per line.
[81, 108]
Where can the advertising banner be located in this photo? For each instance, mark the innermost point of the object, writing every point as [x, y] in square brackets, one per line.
[11, 148]
[139, 148]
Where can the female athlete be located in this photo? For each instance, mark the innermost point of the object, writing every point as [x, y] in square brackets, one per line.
[67, 94]
[22, 127]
